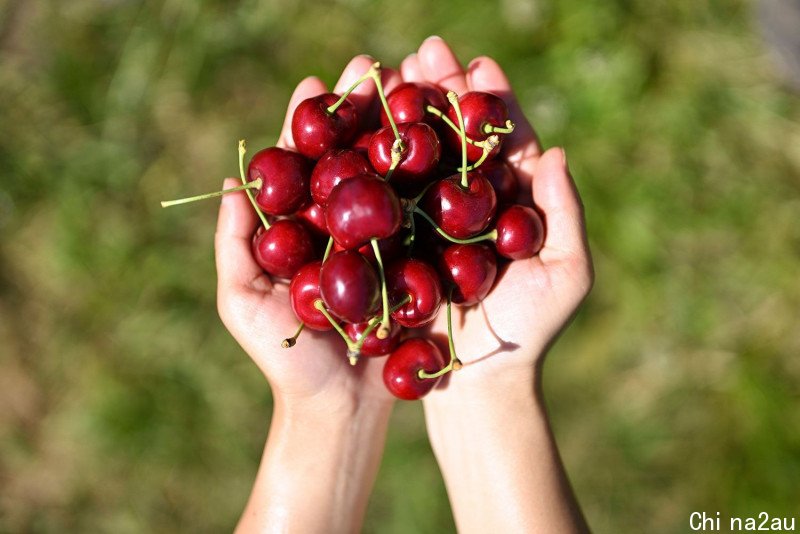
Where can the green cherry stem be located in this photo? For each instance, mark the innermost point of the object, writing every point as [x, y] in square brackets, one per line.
[351, 355]
[489, 129]
[255, 184]
[454, 364]
[453, 98]
[434, 111]
[375, 321]
[373, 70]
[488, 236]
[290, 341]
[384, 330]
[328, 249]
[242, 151]
[491, 142]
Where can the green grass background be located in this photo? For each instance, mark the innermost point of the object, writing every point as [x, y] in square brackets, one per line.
[126, 406]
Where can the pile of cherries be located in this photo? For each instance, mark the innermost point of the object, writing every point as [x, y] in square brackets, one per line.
[376, 225]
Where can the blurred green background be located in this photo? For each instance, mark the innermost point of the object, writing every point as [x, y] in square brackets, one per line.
[126, 407]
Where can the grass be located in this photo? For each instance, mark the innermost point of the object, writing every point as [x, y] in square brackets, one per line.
[128, 406]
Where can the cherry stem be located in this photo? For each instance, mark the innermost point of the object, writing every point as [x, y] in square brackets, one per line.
[397, 155]
[328, 249]
[319, 305]
[374, 68]
[242, 151]
[491, 142]
[435, 111]
[375, 321]
[490, 129]
[454, 364]
[290, 341]
[255, 184]
[453, 98]
[488, 236]
[384, 330]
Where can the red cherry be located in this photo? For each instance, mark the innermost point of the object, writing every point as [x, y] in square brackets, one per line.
[419, 160]
[361, 143]
[336, 165]
[313, 216]
[372, 345]
[478, 109]
[315, 130]
[283, 248]
[504, 183]
[408, 101]
[461, 212]
[520, 233]
[304, 292]
[391, 248]
[421, 282]
[285, 176]
[349, 286]
[360, 209]
[400, 372]
[471, 269]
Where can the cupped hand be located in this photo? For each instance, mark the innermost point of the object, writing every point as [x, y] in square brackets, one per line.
[504, 338]
[256, 310]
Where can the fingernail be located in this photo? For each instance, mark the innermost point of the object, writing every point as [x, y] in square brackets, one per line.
[433, 38]
[564, 158]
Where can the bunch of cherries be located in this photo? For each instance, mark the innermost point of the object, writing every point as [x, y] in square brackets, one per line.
[374, 229]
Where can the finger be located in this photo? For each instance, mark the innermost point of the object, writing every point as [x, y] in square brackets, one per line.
[236, 268]
[410, 69]
[521, 147]
[556, 195]
[390, 78]
[364, 95]
[440, 66]
[311, 86]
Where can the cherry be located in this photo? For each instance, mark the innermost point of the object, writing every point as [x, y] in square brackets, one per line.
[420, 281]
[408, 102]
[471, 268]
[482, 112]
[284, 175]
[374, 346]
[520, 233]
[283, 248]
[418, 160]
[316, 128]
[349, 286]
[402, 367]
[304, 292]
[390, 248]
[361, 143]
[462, 212]
[313, 216]
[360, 209]
[504, 183]
[336, 165]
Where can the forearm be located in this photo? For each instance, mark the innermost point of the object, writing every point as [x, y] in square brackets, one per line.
[318, 469]
[499, 460]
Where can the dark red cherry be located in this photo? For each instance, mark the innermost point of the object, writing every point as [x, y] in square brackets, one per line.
[361, 143]
[478, 109]
[471, 269]
[400, 372]
[391, 248]
[520, 233]
[461, 212]
[315, 131]
[283, 248]
[349, 286]
[336, 165]
[304, 292]
[285, 176]
[313, 216]
[360, 209]
[421, 282]
[504, 183]
[408, 102]
[372, 345]
[419, 160]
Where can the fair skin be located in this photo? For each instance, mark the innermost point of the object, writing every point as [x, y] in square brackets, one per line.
[491, 409]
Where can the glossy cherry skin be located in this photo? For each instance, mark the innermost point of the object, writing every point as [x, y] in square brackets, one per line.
[336, 165]
[471, 269]
[400, 372]
[419, 160]
[504, 183]
[408, 101]
[283, 248]
[304, 292]
[478, 109]
[313, 216]
[461, 212]
[349, 286]
[520, 233]
[285, 176]
[391, 248]
[372, 345]
[360, 209]
[361, 143]
[420, 281]
[315, 131]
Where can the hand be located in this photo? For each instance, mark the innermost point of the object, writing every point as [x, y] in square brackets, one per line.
[506, 336]
[257, 311]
